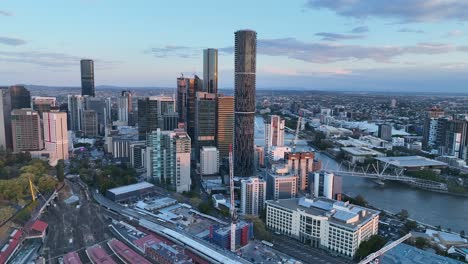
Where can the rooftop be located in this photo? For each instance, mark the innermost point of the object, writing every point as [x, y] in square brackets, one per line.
[340, 213]
[361, 151]
[405, 254]
[131, 188]
[411, 161]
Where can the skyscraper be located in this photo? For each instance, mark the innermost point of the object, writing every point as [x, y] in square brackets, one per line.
[205, 120]
[43, 104]
[385, 132]
[5, 119]
[274, 132]
[100, 106]
[244, 83]
[89, 123]
[55, 134]
[253, 196]
[224, 124]
[195, 85]
[125, 107]
[26, 130]
[156, 112]
[300, 164]
[75, 110]
[20, 97]
[87, 78]
[209, 161]
[183, 85]
[210, 70]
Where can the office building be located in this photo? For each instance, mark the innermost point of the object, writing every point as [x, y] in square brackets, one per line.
[281, 184]
[125, 108]
[385, 132]
[300, 164]
[209, 161]
[338, 227]
[26, 130]
[193, 86]
[43, 104]
[253, 196]
[274, 132]
[6, 141]
[205, 118]
[20, 97]
[138, 154]
[56, 134]
[89, 123]
[87, 78]
[244, 94]
[168, 158]
[75, 111]
[156, 112]
[183, 87]
[259, 157]
[101, 108]
[224, 124]
[210, 70]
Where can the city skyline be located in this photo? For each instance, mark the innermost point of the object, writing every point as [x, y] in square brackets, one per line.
[360, 45]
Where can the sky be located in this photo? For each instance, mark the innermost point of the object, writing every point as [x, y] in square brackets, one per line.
[398, 45]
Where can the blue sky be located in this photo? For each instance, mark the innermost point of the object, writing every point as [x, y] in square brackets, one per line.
[407, 45]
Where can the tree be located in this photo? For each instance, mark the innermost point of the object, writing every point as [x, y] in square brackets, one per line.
[404, 214]
[411, 225]
[260, 230]
[367, 247]
[60, 170]
[359, 200]
[462, 233]
[205, 207]
[46, 184]
[420, 242]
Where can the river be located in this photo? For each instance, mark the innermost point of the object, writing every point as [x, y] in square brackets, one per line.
[428, 207]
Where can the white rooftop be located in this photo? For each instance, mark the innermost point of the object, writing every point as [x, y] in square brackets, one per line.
[131, 187]
[411, 161]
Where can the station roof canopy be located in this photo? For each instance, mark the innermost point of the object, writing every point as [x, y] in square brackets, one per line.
[411, 162]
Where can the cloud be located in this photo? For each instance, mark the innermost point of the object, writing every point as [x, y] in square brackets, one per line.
[410, 30]
[362, 29]
[48, 59]
[292, 72]
[333, 52]
[11, 41]
[402, 10]
[335, 37]
[454, 33]
[5, 13]
[175, 51]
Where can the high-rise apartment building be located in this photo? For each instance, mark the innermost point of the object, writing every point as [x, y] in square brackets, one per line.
[430, 128]
[168, 158]
[20, 97]
[89, 123]
[209, 161]
[87, 78]
[274, 132]
[76, 107]
[244, 92]
[195, 85]
[26, 130]
[101, 107]
[124, 106]
[183, 87]
[156, 112]
[281, 184]
[210, 70]
[259, 157]
[5, 119]
[385, 132]
[224, 124]
[253, 196]
[55, 134]
[43, 104]
[336, 226]
[300, 164]
[205, 120]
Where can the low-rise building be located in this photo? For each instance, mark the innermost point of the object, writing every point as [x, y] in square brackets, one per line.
[412, 163]
[131, 191]
[332, 225]
[360, 154]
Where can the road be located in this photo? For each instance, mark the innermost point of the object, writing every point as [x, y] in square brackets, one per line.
[303, 252]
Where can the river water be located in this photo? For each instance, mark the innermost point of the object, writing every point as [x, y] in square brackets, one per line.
[428, 207]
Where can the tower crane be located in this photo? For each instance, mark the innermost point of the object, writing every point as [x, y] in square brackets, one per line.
[232, 210]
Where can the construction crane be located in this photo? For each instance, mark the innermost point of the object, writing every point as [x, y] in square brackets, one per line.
[232, 210]
[374, 257]
[31, 188]
[296, 136]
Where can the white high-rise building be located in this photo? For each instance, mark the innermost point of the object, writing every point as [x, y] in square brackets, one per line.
[338, 227]
[253, 196]
[55, 134]
[274, 132]
[209, 161]
[76, 107]
[124, 106]
[323, 184]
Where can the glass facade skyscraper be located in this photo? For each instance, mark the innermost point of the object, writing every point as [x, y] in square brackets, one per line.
[87, 78]
[210, 70]
[244, 83]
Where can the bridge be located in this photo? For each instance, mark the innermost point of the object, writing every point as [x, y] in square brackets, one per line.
[382, 176]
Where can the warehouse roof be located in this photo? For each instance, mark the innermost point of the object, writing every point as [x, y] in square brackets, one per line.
[131, 188]
[411, 161]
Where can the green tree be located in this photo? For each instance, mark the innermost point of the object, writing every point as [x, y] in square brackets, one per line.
[260, 230]
[420, 242]
[205, 207]
[60, 168]
[411, 225]
[404, 214]
[372, 245]
[46, 184]
[5, 213]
